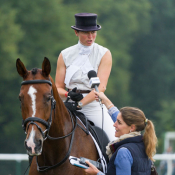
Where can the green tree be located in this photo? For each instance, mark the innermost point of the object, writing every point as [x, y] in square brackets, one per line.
[123, 21]
[153, 64]
[10, 35]
[45, 34]
[10, 116]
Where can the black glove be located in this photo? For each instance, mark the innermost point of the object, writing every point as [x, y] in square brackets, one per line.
[72, 106]
[74, 95]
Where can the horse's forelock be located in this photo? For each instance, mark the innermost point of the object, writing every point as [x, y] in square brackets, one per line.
[34, 71]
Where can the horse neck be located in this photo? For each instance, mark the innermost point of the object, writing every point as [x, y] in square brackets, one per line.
[61, 126]
[62, 119]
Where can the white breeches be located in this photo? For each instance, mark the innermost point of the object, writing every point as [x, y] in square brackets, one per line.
[93, 112]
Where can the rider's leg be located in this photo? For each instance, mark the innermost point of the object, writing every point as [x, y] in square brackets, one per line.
[93, 112]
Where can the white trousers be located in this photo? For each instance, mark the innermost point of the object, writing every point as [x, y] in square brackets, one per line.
[93, 112]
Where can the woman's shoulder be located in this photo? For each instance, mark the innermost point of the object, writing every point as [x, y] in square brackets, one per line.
[124, 154]
[68, 49]
[100, 47]
[69, 54]
[98, 52]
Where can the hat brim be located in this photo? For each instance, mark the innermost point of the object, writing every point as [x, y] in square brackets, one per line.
[86, 29]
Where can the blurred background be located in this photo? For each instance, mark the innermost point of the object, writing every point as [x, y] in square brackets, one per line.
[140, 35]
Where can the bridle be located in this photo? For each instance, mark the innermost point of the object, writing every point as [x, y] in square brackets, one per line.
[47, 124]
[32, 120]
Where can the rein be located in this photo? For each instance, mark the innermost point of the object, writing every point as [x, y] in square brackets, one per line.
[47, 124]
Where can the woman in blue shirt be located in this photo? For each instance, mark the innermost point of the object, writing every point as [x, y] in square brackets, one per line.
[131, 153]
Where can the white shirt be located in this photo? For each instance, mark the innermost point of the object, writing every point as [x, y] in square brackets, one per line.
[79, 60]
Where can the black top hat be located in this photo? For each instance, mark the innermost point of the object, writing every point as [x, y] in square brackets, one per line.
[86, 22]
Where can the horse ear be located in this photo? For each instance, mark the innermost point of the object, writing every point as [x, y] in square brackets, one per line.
[46, 68]
[22, 71]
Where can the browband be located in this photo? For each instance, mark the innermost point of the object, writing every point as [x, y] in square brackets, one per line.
[36, 82]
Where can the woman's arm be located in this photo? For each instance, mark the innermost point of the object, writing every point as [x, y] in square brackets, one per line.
[60, 76]
[104, 98]
[104, 70]
[112, 110]
[123, 162]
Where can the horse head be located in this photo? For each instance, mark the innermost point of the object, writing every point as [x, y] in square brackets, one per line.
[37, 104]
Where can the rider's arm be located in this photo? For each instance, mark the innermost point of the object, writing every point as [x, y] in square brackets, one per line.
[60, 76]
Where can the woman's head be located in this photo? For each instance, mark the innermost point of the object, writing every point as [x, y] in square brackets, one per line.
[132, 115]
[130, 119]
[86, 28]
[133, 119]
[86, 38]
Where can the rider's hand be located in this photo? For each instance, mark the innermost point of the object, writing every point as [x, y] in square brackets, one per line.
[74, 95]
[92, 170]
[72, 106]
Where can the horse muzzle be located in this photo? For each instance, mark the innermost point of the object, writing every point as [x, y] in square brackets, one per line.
[34, 144]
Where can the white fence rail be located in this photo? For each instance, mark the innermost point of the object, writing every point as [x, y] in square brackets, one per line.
[17, 157]
[169, 160]
[24, 157]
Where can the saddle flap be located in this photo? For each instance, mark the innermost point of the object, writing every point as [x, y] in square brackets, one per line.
[99, 135]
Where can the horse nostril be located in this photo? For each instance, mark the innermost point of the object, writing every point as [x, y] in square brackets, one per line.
[40, 143]
[28, 148]
[38, 147]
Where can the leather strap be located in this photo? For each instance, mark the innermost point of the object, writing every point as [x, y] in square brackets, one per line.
[80, 91]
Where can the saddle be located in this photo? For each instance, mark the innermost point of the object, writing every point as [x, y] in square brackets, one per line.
[99, 135]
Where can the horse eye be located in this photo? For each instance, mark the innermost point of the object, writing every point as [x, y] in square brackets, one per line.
[48, 98]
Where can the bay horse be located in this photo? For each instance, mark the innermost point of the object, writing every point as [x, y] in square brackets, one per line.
[52, 133]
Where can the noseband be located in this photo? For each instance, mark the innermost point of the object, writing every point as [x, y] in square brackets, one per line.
[32, 120]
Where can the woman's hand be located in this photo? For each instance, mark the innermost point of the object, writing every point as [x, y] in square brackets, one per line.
[92, 170]
[100, 95]
[104, 98]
